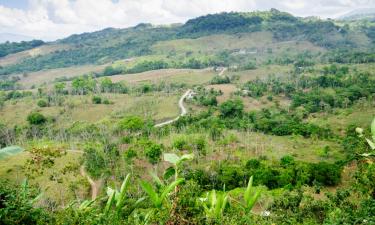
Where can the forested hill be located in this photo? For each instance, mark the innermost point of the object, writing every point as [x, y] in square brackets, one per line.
[14, 47]
[112, 44]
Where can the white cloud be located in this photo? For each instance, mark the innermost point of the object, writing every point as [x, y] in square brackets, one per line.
[51, 19]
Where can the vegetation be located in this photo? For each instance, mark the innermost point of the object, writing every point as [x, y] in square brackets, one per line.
[10, 48]
[281, 136]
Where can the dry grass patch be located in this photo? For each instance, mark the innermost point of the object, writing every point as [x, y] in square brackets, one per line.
[188, 76]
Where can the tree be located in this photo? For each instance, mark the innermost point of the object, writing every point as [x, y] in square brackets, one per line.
[231, 108]
[59, 87]
[106, 85]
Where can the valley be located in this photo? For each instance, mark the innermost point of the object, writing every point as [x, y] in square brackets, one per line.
[160, 124]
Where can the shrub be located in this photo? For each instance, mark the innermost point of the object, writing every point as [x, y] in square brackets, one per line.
[36, 118]
[130, 154]
[220, 80]
[153, 152]
[231, 108]
[132, 123]
[95, 163]
[326, 173]
[180, 143]
[16, 205]
[96, 100]
[42, 103]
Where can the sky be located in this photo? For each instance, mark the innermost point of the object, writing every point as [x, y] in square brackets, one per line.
[54, 19]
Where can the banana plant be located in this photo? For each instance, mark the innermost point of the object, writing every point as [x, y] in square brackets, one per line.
[176, 161]
[250, 199]
[86, 205]
[214, 204]
[159, 196]
[371, 142]
[118, 197]
[26, 192]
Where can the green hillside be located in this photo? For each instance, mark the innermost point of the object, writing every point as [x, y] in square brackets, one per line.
[232, 118]
[114, 44]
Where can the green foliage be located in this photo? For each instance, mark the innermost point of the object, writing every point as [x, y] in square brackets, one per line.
[17, 205]
[42, 103]
[6, 85]
[83, 85]
[158, 197]
[231, 108]
[220, 80]
[153, 152]
[96, 99]
[95, 163]
[214, 205]
[36, 118]
[176, 161]
[13, 47]
[117, 198]
[110, 71]
[249, 197]
[132, 123]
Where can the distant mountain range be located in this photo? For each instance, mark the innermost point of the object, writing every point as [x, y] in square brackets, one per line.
[4, 37]
[359, 14]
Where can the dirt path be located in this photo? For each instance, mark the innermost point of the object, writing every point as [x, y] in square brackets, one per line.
[223, 71]
[182, 107]
[95, 185]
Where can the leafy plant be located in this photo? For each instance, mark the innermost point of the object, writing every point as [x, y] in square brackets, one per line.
[214, 204]
[250, 198]
[177, 162]
[371, 142]
[159, 196]
[118, 197]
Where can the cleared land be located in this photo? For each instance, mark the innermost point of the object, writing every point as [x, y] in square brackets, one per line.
[158, 106]
[188, 76]
[48, 76]
[42, 50]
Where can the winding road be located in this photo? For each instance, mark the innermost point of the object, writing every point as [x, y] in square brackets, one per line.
[182, 107]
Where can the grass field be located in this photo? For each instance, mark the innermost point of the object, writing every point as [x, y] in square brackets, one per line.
[359, 115]
[48, 76]
[187, 76]
[158, 106]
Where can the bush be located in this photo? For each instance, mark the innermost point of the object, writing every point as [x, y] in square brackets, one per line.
[96, 100]
[220, 80]
[36, 118]
[95, 163]
[153, 152]
[326, 173]
[180, 143]
[42, 103]
[16, 205]
[231, 108]
[132, 123]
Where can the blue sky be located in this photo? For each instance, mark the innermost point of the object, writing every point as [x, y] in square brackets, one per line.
[53, 19]
[19, 4]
